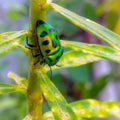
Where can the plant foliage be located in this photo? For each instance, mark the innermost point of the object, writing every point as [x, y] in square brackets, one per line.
[77, 54]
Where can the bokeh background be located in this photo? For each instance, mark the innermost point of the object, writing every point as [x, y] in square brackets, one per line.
[99, 80]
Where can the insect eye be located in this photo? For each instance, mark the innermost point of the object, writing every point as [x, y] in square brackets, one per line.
[43, 34]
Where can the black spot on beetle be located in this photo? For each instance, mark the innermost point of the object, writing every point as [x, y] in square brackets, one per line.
[47, 51]
[43, 34]
[57, 57]
[50, 60]
[46, 42]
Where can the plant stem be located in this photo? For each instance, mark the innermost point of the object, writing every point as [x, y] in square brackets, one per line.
[34, 94]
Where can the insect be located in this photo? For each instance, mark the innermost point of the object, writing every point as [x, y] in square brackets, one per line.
[47, 44]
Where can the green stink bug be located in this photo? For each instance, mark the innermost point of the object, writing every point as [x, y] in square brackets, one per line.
[47, 43]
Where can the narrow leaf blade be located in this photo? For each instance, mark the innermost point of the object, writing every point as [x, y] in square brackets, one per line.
[96, 87]
[10, 88]
[10, 40]
[90, 26]
[19, 80]
[93, 49]
[74, 59]
[48, 116]
[91, 108]
[56, 101]
[95, 109]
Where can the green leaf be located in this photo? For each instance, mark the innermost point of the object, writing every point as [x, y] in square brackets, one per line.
[4, 36]
[93, 49]
[92, 27]
[96, 87]
[74, 59]
[90, 108]
[19, 80]
[95, 109]
[56, 101]
[48, 116]
[82, 53]
[10, 88]
[11, 40]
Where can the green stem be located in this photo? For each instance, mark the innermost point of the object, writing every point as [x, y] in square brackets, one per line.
[34, 94]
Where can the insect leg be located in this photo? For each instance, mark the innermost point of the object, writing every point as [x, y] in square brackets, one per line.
[30, 45]
[37, 61]
[34, 55]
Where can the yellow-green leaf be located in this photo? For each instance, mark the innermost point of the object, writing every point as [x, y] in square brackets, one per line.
[10, 88]
[74, 59]
[19, 80]
[93, 49]
[90, 26]
[10, 40]
[56, 101]
[93, 108]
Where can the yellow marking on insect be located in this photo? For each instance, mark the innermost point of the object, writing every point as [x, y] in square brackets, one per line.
[49, 46]
[45, 38]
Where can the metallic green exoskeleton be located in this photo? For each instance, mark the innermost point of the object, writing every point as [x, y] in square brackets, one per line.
[47, 43]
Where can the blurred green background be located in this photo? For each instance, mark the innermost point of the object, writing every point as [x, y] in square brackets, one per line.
[99, 80]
